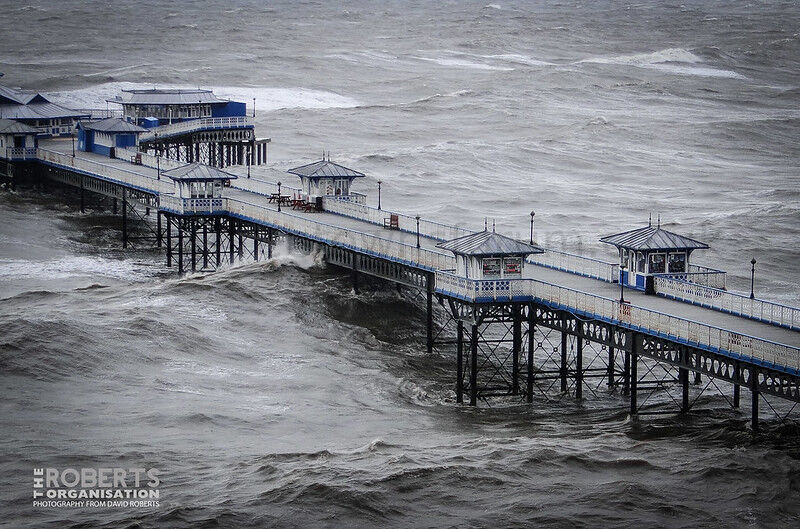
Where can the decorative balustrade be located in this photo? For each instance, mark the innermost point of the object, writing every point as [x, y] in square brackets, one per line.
[182, 205]
[656, 323]
[20, 153]
[730, 302]
[699, 275]
[109, 172]
[194, 125]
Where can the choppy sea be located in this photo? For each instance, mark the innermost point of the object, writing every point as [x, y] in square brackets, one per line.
[272, 395]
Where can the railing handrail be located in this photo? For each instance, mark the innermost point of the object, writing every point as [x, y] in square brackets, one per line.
[193, 124]
[616, 301]
[717, 293]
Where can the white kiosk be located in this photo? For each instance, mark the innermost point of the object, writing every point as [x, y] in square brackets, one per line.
[651, 250]
[199, 187]
[324, 178]
[489, 255]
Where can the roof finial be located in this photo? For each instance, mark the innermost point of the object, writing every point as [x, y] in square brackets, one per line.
[493, 226]
[485, 223]
[659, 221]
[650, 220]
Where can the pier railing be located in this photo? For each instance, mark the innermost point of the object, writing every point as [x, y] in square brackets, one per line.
[342, 237]
[193, 125]
[427, 228]
[105, 171]
[629, 316]
[730, 302]
[699, 275]
[20, 153]
[577, 264]
[191, 205]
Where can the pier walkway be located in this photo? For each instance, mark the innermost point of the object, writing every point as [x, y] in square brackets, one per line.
[584, 299]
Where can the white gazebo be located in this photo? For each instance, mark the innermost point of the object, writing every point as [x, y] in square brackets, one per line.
[489, 255]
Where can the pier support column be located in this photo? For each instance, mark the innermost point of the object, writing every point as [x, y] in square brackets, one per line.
[563, 370]
[683, 376]
[193, 242]
[169, 241]
[231, 239]
[460, 361]
[83, 200]
[516, 348]
[205, 244]
[634, 376]
[115, 206]
[218, 249]
[626, 373]
[180, 248]
[579, 369]
[429, 315]
[610, 372]
[737, 389]
[754, 391]
[158, 228]
[270, 239]
[124, 219]
[473, 368]
[531, 346]
[255, 242]
[354, 273]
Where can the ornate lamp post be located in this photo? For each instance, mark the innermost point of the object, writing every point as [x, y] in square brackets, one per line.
[752, 277]
[533, 214]
[279, 195]
[254, 107]
[73, 143]
[622, 268]
[417, 217]
[379, 194]
[158, 159]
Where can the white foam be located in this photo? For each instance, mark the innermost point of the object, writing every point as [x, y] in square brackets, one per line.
[673, 60]
[69, 267]
[462, 63]
[493, 6]
[267, 98]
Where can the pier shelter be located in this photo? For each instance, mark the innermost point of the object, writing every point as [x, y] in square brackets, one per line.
[649, 251]
[163, 106]
[325, 178]
[107, 135]
[17, 140]
[35, 110]
[489, 255]
[199, 187]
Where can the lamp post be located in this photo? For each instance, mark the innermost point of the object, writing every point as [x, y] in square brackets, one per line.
[379, 194]
[533, 214]
[73, 143]
[254, 107]
[417, 217]
[622, 268]
[279, 195]
[249, 155]
[752, 277]
[158, 159]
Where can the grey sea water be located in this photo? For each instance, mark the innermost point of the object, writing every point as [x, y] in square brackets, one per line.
[270, 394]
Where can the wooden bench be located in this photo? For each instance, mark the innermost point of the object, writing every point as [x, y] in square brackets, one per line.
[136, 159]
[392, 223]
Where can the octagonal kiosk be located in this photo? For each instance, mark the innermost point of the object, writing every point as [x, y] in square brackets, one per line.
[198, 188]
[649, 251]
[489, 255]
[326, 178]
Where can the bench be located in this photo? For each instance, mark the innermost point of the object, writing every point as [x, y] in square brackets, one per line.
[392, 223]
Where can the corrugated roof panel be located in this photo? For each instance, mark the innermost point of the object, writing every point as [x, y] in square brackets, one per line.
[198, 171]
[8, 126]
[112, 125]
[487, 243]
[652, 238]
[325, 169]
[167, 97]
[39, 111]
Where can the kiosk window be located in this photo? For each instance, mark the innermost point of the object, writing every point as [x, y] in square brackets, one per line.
[513, 265]
[491, 267]
[657, 264]
[677, 262]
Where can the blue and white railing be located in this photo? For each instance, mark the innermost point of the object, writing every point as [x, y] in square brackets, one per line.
[730, 302]
[763, 352]
[196, 125]
[577, 264]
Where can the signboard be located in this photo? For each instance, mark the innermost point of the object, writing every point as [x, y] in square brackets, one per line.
[513, 265]
[491, 267]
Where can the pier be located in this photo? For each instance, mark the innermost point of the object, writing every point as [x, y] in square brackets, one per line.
[518, 320]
